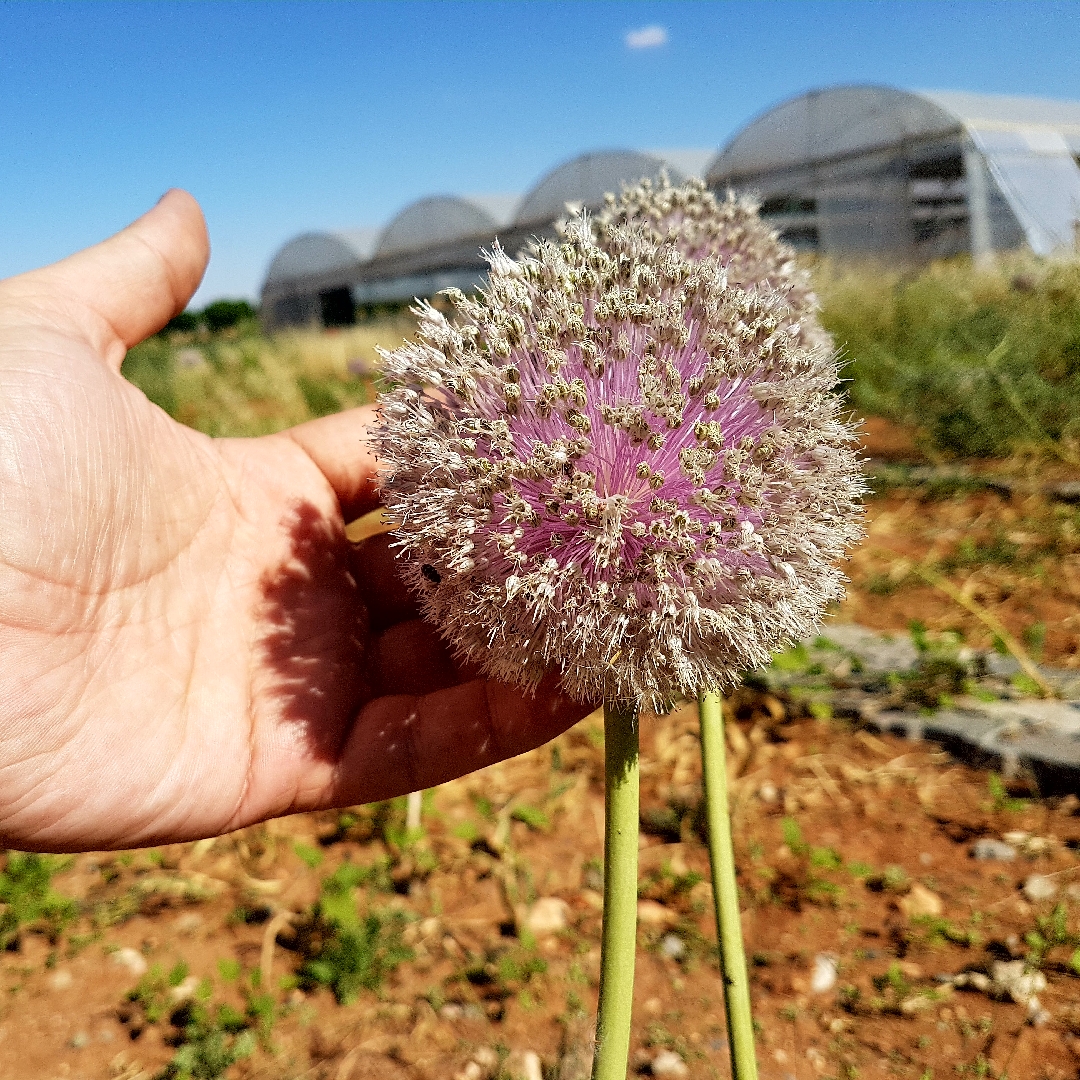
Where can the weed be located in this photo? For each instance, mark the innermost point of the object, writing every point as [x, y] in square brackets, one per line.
[1051, 931]
[313, 857]
[1000, 798]
[151, 992]
[977, 367]
[242, 383]
[210, 1041]
[939, 931]
[531, 816]
[28, 899]
[343, 951]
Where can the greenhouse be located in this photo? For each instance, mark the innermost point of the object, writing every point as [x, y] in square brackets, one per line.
[436, 243]
[310, 279]
[863, 170]
[914, 175]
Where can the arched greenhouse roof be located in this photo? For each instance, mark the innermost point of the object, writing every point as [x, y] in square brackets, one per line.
[316, 253]
[1030, 146]
[842, 120]
[443, 218]
[586, 179]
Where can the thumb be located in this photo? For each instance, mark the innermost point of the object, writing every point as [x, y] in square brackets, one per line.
[128, 287]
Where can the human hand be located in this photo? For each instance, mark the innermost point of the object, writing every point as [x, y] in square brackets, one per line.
[188, 642]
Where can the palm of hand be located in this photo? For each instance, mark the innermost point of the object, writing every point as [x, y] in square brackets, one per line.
[189, 642]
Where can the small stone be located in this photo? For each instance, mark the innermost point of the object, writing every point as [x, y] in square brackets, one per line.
[185, 991]
[486, 1058]
[188, 923]
[547, 916]
[668, 1063]
[993, 849]
[132, 959]
[1011, 980]
[472, 1071]
[61, 980]
[650, 913]
[824, 975]
[79, 1040]
[1040, 887]
[1037, 1015]
[767, 793]
[525, 1066]
[673, 947]
[452, 1011]
[921, 902]
[190, 358]
[975, 979]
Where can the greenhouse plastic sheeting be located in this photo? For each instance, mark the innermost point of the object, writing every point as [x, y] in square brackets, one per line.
[1039, 178]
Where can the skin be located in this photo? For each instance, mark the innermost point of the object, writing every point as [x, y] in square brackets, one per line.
[188, 642]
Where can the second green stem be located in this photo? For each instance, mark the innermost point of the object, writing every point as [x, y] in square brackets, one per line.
[725, 891]
[619, 937]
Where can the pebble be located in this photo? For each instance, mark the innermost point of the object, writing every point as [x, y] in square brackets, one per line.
[650, 913]
[668, 1063]
[921, 903]
[79, 1040]
[825, 971]
[1011, 980]
[767, 793]
[131, 959]
[673, 947]
[993, 849]
[525, 1066]
[184, 991]
[547, 916]
[61, 980]
[188, 923]
[1039, 887]
[452, 1012]
[486, 1058]
[190, 358]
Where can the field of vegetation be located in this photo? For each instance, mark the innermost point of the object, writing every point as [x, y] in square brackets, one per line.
[345, 946]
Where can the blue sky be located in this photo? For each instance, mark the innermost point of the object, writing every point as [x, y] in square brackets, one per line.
[291, 116]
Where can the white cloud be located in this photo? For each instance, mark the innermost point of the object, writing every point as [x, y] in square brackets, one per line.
[648, 37]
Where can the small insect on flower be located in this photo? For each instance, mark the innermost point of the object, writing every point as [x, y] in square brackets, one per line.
[617, 464]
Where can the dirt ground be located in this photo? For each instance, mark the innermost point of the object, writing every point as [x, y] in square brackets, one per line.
[862, 899]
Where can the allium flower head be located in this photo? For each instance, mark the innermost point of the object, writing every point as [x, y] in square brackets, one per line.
[616, 464]
[730, 229]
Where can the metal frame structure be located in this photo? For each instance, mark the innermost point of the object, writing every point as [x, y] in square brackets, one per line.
[869, 170]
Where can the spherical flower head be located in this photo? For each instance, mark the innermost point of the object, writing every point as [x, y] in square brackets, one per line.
[731, 230]
[617, 465]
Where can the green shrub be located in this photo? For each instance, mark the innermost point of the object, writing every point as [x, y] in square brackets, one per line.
[28, 899]
[345, 952]
[981, 362]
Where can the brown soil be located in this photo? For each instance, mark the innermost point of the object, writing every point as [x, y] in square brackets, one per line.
[468, 887]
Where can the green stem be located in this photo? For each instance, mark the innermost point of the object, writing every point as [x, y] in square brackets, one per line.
[619, 941]
[740, 1023]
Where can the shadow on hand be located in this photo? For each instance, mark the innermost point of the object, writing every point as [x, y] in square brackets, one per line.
[316, 644]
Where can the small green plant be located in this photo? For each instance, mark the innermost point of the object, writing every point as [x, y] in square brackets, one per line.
[151, 992]
[345, 952]
[28, 900]
[532, 816]
[1000, 798]
[312, 856]
[1051, 931]
[210, 1041]
[939, 931]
